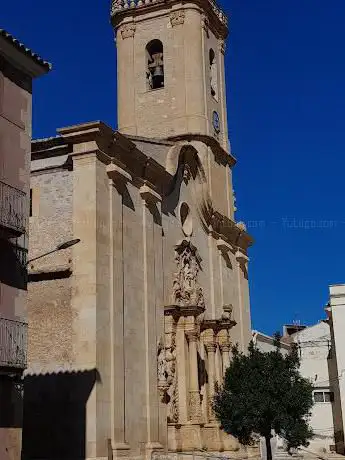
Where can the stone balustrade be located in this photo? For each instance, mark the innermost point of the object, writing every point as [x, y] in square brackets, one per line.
[120, 5]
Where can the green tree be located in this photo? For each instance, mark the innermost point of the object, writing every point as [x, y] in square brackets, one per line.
[262, 393]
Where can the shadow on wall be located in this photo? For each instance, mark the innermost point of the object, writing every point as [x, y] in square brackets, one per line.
[55, 415]
[11, 402]
[12, 268]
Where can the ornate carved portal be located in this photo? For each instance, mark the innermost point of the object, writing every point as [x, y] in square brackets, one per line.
[186, 289]
[192, 357]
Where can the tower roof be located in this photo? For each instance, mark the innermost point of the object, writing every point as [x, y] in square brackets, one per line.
[122, 8]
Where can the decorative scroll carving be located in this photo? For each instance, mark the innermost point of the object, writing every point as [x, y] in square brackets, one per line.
[177, 18]
[194, 406]
[127, 31]
[161, 369]
[167, 375]
[187, 174]
[222, 46]
[205, 24]
[186, 290]
[172, 382]
[227, 313]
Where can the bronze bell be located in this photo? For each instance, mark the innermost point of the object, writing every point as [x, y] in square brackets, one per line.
[158, 76]
[158, 72]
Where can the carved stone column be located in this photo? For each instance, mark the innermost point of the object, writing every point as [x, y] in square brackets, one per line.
[211, 431]
[225, 346]
[211, 352]
[225, 350]
[194, 395]
[244, 310]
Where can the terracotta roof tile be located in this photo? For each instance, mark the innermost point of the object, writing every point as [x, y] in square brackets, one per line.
[21, 47]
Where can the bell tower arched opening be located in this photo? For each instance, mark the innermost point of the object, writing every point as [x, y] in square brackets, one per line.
[155, 65]
[213, 74]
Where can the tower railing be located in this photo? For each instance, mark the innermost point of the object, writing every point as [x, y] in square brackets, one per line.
[120, 5]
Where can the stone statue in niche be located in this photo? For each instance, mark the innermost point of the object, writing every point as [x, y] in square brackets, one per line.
[227, 313]
[186, 290]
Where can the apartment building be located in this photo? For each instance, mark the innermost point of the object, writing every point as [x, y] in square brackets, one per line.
[18, 67]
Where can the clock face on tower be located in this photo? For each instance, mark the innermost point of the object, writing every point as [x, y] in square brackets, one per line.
[216, 122]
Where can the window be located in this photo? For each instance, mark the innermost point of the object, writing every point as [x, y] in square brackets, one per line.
[213, 75]
[155, 65]
[329, 396]
[323, 396]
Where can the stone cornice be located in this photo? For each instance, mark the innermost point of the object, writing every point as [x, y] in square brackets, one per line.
[93, 131]
[224, 247]
[218, 151]
[144, 169]
[122, 9]
[51, 152]
[178, 311]
[118, 173]
[149, 195]
[45, 143]
[230, 232]
[217, 324]
[113, 147]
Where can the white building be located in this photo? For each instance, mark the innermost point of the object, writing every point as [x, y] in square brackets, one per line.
[318, 365]
[265, 343]
[314, 345]
[336, 315]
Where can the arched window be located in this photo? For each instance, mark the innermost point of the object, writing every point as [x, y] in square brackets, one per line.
[155, 65]
[213, 75]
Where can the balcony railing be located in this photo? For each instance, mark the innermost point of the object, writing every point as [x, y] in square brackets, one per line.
[13, 344]
[12, 209]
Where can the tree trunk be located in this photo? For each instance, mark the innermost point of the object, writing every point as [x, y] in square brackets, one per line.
[268, 448]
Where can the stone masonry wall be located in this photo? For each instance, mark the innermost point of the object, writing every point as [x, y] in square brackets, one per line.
[49, 300]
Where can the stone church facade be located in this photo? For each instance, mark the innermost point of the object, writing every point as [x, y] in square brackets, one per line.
[130, 329]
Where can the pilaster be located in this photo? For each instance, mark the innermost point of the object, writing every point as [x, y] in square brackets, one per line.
[243, 290]
[118, 179]
[151, 205]
[91, 280]
[126, 78]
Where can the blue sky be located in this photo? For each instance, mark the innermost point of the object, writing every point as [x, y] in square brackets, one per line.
[286, 99]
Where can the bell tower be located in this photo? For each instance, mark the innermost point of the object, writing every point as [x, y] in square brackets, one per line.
[171, 78]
